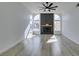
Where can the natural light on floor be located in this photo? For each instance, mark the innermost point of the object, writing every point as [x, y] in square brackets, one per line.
[52, 39]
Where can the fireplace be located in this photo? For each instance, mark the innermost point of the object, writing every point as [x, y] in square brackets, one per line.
[47, 23]
[46, 30]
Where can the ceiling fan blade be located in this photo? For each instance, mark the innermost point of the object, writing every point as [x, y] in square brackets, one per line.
[43, 4]
[77, 5]
[50, 4]
[42, 9]
[54, 7]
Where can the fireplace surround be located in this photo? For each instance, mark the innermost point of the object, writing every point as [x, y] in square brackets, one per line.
[47, 23]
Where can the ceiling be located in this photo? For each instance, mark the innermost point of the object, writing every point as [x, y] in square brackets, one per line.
[62, 6]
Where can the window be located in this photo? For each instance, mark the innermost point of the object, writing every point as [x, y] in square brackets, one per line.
[57, 23]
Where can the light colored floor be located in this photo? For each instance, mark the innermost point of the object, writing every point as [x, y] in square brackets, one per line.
[49, 45]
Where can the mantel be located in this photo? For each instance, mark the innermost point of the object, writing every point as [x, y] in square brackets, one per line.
[46, 25]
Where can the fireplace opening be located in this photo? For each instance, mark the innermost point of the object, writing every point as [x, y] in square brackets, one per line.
[46, 30]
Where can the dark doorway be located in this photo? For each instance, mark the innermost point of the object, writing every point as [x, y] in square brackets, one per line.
[47, 23]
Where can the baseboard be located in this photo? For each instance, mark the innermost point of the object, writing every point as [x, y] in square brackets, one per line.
[70, 39]
[13, 49]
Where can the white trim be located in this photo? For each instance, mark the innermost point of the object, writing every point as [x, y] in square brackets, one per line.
[71, 39]
[13, 45]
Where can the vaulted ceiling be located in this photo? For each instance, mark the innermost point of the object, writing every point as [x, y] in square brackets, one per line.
[62, 6]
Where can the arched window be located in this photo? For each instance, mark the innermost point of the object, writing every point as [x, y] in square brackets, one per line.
[36, 24]
[56, 17]
[37, 17]
[57, 24]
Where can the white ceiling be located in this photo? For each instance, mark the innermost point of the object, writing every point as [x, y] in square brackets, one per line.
[62, 6]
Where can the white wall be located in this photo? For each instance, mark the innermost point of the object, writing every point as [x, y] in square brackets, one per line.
[14, 18]
[70, 24]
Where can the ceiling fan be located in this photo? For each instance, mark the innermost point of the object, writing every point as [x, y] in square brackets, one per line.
[77, 5]
[47, 6]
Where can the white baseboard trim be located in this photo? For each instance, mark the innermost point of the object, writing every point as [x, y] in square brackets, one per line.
[71, 39]
[13, 45]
